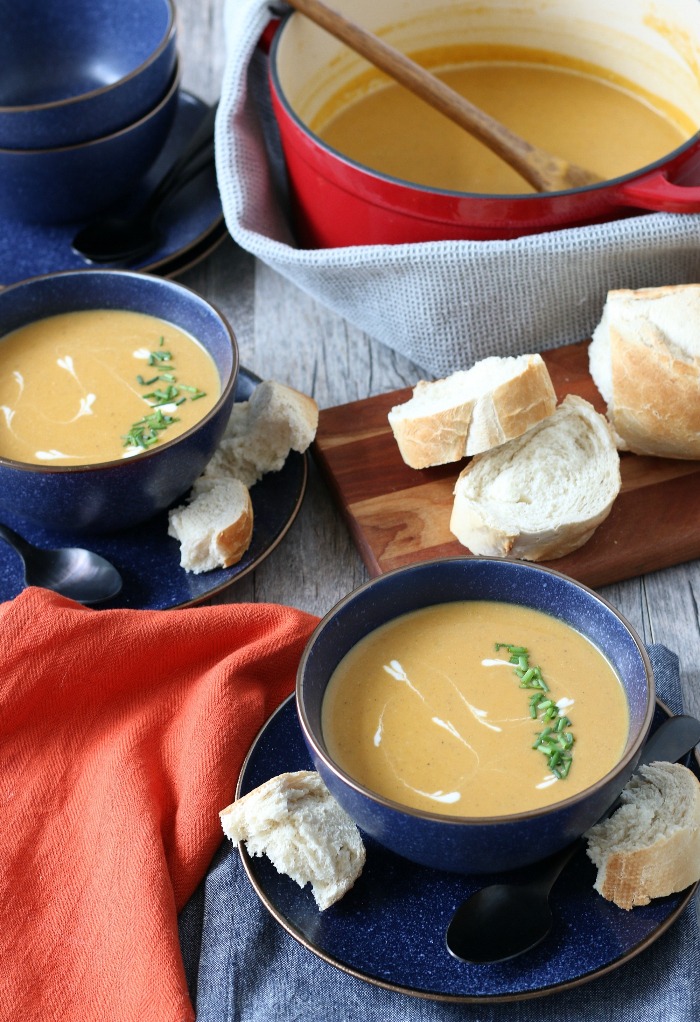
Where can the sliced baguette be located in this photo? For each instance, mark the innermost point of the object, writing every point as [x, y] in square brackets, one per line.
[645, 360]
[543, 494]
[472, 410]
[294, 820]
[650, 847]
[215, 528]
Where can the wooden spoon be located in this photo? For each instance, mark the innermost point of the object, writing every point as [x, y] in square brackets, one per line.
[544, 171]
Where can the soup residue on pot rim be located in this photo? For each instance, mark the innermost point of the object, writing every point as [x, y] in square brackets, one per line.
[580, 113]
[97, 385]
[428, 712]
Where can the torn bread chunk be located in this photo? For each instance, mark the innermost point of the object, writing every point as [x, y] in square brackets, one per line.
[215, 525]
[215, 529]
[294, 820]
[261, 433]
[650, 847]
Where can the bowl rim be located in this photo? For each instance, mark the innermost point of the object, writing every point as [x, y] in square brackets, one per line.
[453, 820]
[226, 388]
[167, 39]
[167, 97]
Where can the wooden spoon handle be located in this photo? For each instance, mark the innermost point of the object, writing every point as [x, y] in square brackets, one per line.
[544, 171]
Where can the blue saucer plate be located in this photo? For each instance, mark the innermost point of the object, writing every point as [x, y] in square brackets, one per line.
[149, 559]
[390, 928]
[190, 217]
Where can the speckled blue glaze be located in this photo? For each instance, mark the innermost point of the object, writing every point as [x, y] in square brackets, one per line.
[81, 69]
[73, 182]
[390, 928]
[462, 844]
[188, 220]
[101, 498]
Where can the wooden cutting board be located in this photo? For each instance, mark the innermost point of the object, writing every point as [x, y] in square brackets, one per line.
[398, 515]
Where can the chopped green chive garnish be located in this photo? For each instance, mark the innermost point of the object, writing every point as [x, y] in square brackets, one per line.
[144, 433]
[147, 430]
[159, 356]
[554, 741]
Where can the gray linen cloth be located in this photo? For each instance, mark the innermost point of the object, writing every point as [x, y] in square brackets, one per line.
[243, 967]
[444, 305]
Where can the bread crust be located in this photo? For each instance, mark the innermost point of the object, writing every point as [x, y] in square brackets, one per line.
[434, 439]
[478, 422]
[654, 375]
[234, 540]
[656, 407]
[515, 409]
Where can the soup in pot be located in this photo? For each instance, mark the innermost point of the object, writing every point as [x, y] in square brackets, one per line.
[576, 112]
[475, 708]
[99, 385]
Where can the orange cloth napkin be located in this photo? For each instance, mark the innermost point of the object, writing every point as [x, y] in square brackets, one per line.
[122, 733]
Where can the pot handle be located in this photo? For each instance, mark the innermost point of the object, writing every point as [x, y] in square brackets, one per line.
[655, 192]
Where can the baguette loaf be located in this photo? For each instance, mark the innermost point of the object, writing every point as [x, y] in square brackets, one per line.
[650, 847]
[472, 410]
[645, 360]
[543, 494]
[296, 822]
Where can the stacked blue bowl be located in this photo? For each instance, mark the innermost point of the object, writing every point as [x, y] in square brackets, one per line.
[88, 94]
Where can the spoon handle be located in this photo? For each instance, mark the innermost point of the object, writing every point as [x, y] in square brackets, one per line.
[13, 539]
[541, 169]
[196, 163]
[201, 141]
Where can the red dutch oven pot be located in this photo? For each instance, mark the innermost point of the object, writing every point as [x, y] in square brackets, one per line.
[338, 202]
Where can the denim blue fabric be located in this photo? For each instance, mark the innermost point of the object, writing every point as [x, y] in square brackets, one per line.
[242, 966]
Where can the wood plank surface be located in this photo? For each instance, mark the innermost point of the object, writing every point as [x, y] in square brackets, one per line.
[398, 515]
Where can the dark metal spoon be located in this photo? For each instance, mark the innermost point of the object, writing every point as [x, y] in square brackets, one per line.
[505, 920]
[78, 574]
[122, 239]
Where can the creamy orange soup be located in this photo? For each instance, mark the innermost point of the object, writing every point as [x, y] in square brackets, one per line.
[427, 712]
[99, 385]
[585, 117]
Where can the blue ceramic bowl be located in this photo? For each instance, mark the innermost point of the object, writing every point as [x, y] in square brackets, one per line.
[81, 69]
[116, 495]
[462, 844]
[72, 183]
